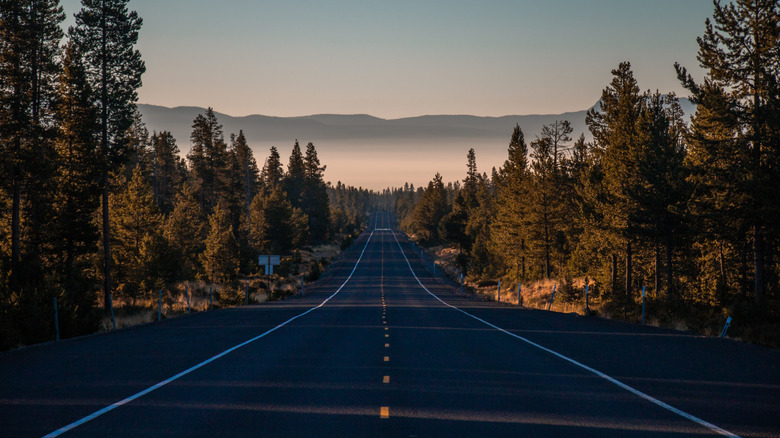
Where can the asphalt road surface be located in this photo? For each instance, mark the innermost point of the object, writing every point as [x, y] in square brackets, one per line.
[380, 348]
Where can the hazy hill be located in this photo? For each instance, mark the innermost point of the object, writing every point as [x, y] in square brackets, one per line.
[363, 150]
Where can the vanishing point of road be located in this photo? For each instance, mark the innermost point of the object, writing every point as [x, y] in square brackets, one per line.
[381, 348]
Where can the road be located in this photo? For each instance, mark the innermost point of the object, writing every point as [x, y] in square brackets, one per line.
[381, 348]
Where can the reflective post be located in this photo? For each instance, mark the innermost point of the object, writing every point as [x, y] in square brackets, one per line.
[552, 297]
[111, 306]
[56, 321]
[587, 308]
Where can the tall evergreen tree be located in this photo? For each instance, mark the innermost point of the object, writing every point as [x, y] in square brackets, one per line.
[209, 160]
[244, 169]
[508, 231]
[431, 209]
[185, 232]
[220, 258]
[77, 180]
[316, 204]
[295, 178]
[273, 172]
[139, 247]
[29, 42]
[277, 226]
[106, 34]
[543, 204]
[617, 131]
[168, 169]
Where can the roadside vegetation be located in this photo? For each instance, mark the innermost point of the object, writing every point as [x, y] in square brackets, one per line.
[94, 209]
[686, 209]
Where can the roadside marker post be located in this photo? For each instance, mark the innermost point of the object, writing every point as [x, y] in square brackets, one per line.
[187, 293]
[552, 297]
[726, 327]
[519, 292]
[461, 283]
[587, 308]
[643, 305]
[56, 321]
[499, 291]
[159, 307]
[111, 306]
[434, 269]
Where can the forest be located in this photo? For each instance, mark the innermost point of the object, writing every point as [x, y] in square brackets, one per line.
[94, 208]
[685, 209]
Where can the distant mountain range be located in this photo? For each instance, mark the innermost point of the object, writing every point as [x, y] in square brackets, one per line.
[362, 150]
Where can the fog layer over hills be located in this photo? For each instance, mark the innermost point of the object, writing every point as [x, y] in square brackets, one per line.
[367, 151]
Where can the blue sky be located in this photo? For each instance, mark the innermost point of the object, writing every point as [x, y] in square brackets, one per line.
[405, 58]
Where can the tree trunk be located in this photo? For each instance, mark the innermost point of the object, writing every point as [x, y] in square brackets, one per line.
[106, 245]
[758, 267]
[657, 268]
[15, 216]
[522, 259]
[722, 264]
[614, 273]
[744, 283]
[629, 253]
[106, 163]
[670, 289]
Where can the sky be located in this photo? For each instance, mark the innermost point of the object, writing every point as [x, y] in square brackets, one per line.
[400, 58]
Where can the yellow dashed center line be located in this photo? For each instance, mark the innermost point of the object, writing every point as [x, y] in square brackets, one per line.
[386, 379]
[387, 345]
[384, 412]
[386, 335]
[387, 358]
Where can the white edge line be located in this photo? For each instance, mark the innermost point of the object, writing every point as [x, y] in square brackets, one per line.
[612, 380]
[138, 395]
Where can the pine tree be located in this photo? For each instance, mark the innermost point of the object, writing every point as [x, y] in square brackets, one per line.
[659, 190]
[277, 226]
[740, 96]
[558, 132]
[106, 33]
[29, 42]
[209, 161]
[273, 172]
[139, 247]
[471, 182]
[168, 169]
[508, 232]
[617, 131]
[294, 179]
[542, 208]
[245, 170]
[431, 209]
[220, 258]
[185, 232]
[77, 180]
[316, 204]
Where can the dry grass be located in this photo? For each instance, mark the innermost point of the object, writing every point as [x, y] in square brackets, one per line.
[128, 313]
